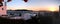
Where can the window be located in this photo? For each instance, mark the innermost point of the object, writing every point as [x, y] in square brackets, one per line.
[2, 8]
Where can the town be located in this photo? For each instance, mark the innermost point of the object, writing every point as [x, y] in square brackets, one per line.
[25, 16]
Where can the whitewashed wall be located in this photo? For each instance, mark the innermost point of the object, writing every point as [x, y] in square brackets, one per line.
[4, 11]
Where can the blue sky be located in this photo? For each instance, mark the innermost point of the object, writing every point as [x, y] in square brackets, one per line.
[20, 4]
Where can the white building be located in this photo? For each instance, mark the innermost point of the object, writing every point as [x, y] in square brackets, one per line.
[3, 9]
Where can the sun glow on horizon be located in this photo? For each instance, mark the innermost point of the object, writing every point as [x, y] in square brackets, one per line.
[52, 8]
[43, 8]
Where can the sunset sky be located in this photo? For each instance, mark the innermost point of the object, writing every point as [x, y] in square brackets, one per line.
[34, 5]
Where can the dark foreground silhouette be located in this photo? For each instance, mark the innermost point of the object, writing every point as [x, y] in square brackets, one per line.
[34, 20]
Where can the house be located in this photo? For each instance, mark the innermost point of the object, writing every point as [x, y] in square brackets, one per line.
[18, 12]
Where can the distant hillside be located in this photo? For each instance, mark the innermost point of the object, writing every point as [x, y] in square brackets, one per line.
[20, 10]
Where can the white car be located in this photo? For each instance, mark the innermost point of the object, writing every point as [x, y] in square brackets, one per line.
[15, 17]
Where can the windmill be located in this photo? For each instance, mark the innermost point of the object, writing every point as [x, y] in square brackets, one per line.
[3, 6]
[3, 9]
[1, 2]
[23, 0]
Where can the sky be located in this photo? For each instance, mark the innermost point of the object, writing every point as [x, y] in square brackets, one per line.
[34, 4]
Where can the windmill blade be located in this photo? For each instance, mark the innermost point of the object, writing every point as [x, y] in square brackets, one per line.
[9, 0]
[1, 4]
[1, 0]
[25, 0]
